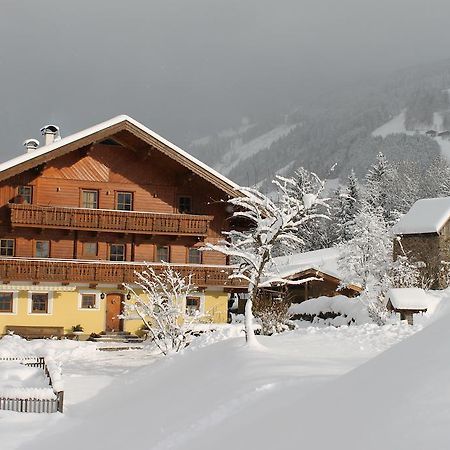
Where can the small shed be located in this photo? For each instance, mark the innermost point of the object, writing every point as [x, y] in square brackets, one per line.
[431, 133]
[407, 302]
[308, 275]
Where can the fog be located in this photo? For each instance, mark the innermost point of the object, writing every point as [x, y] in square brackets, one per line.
[190, 67]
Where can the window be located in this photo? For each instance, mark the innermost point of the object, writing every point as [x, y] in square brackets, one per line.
[89, 199]
[184, 205]
[88, 301]
[42, 249]
[6, 247]
[6, 302]
[39, 303]
[194, 256]
[162, 253]
[25, 194]
[192, 305]
[117, 252]
[124, 201]
[90, 249]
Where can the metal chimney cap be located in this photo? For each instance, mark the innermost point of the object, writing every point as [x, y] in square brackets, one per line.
[54, 129]
[31, 143]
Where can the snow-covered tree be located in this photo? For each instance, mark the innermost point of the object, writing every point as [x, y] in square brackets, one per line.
[161, 306]
[314, 233]
[345, 206]
[272, 225]
[377, 188]
[365, 259]
[404, 273]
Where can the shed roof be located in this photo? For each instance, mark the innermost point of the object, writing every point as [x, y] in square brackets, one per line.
[101, 130]
[428, 215]
[409, 298]
[323, 261]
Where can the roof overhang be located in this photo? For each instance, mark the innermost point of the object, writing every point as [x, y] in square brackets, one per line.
[311, 272]
[106, 129]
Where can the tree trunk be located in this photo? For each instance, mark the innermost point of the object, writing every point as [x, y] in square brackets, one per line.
[249, 331]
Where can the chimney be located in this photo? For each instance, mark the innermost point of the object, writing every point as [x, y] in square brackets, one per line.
[31, 144]
[50, 133]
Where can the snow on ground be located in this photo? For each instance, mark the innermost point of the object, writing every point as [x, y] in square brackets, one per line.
[86, 371]
[399, 400]
[186, 400]
[397, 125]
[240, 152]
[393, 126]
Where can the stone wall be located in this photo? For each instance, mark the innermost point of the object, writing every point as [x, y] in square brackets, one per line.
[431, 249]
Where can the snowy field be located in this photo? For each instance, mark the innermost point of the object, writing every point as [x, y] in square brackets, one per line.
[211, 393]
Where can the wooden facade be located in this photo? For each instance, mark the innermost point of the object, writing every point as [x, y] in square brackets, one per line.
[80, 216]
[111, 166]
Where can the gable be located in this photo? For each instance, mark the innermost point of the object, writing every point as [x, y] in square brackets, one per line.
[127, 132]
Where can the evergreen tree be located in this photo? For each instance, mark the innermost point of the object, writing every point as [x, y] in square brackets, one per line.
[379, 182]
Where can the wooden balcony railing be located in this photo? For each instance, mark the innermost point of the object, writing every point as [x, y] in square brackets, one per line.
[73, 271]
[108, 220]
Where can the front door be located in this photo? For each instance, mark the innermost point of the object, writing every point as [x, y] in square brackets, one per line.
[113, 310]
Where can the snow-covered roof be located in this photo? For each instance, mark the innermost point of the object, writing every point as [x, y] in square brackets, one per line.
[410, 298]
[324, 260]
[26, 157]
[428, 215]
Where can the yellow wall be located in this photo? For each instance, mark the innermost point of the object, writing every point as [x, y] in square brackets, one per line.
[216, 306]
[66, 312]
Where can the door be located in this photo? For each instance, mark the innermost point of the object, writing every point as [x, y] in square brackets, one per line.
[113, 310]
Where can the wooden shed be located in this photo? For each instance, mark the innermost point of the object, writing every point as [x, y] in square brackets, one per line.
[407, 302]
[303, 276]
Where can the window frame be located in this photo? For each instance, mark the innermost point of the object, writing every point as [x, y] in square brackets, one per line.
[35, 248]
[30, 195]
[131, 194]
[49, 309]
[200, 254]
[201, 305]
[13, 310]
[89, 255]
[158, 247]
[97, 195]
[180, 211]
[2, 247]
[94, 294]
[124, 252]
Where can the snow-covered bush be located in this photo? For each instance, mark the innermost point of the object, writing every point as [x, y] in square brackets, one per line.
[337, 311]
[272, 313]
[161, 306]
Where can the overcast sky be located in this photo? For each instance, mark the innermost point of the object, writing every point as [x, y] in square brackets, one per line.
[186, 67]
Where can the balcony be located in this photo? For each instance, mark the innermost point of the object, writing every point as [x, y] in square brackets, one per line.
[79, 271]
[102, 220]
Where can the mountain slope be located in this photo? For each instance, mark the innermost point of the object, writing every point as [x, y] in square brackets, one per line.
[339, 128]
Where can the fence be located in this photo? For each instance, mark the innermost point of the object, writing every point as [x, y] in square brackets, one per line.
[34, 405]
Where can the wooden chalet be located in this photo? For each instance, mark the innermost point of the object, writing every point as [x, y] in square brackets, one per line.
[79, 215]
